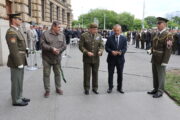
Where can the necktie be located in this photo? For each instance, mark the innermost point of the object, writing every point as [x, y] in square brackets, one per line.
[117, 41]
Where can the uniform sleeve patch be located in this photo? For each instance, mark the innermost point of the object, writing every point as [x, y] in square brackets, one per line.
[13, 40]
[169, 44]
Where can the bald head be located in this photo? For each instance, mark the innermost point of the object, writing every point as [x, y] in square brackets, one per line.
[117, 29]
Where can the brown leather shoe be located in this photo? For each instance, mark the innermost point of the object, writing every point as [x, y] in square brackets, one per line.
[59, 91]
[46, 94]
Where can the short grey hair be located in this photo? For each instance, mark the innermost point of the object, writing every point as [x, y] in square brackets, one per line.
[116, 26]
[55, 23]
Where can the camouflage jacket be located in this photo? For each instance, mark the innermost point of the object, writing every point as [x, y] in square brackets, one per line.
[88, 43]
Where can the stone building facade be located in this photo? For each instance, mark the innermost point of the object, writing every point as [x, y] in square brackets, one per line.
[41, 12]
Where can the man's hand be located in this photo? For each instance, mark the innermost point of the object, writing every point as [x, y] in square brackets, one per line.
[56, 51]
[119, 52]
[90, 54]
[100, 53]
[115, 53]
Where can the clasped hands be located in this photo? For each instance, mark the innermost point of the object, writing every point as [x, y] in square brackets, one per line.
[90, 54]
[115, 53]
[56, 51]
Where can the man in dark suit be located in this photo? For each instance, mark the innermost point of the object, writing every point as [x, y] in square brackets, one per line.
[116, 47]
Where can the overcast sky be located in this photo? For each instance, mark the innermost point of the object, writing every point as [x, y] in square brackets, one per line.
[135, 7]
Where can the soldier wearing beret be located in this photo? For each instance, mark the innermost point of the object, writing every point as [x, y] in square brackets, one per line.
[91, 45]
[161, 52]
[16, 59]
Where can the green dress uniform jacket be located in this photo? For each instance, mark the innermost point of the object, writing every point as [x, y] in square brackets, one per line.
[17, 48]
[160, 51]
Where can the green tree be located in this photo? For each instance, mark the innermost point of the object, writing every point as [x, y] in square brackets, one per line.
[137, 24]
[126, 20]
[151, 21]
[75, 23]
[99, 14]
[172, 25]
[176, 20]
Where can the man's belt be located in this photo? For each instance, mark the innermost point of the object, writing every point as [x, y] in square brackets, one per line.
[23, 52]
[157, 51]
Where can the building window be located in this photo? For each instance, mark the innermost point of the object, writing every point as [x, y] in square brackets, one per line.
[58, 11]
[8, 7]
[63, 16]
[30, 7]
[51, 12]
[43, 9]
[68, 18]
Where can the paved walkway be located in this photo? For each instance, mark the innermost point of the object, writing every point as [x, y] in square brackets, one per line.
[135, 104]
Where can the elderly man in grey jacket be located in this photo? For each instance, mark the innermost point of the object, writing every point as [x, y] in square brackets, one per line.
[53, 44]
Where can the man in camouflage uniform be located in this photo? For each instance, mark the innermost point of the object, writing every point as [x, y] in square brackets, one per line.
[16, 59]
[91, 45]
[53, 44]
[161, 51]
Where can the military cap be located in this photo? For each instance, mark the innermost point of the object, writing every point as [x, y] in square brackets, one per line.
[93, 25]
[16, 15]
[161, 19]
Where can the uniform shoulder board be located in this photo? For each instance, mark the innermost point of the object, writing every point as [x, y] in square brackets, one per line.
[10, 32]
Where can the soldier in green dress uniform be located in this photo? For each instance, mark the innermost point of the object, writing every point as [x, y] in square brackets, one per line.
[16, 59]
[161, 52]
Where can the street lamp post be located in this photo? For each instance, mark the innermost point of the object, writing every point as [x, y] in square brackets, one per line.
[143, 14]
[104, 21]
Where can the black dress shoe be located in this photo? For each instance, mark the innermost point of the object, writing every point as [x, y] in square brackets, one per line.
[21, 104]
[109, 91]
[122, 92]
[95, 91]
[152, 92]
[86, 92]
[158, 95]
[26, 100]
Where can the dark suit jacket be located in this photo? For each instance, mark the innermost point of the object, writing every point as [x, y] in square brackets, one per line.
[111, 45]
